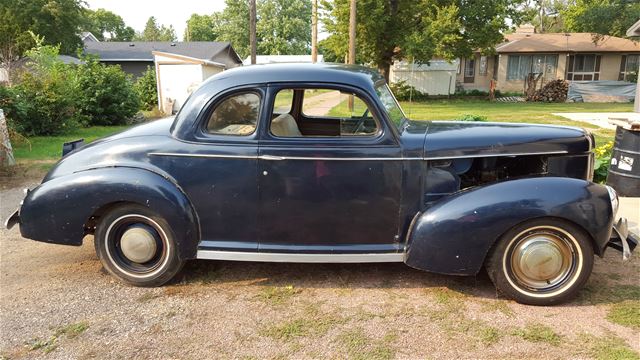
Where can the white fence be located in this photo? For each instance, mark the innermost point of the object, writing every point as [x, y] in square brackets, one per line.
[436, 78]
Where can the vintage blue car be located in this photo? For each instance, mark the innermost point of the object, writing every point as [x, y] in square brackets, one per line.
[318, 163]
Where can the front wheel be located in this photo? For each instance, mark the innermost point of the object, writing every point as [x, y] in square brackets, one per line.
[137, 246]
[541, 262]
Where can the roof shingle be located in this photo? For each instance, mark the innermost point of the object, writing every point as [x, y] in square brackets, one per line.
[561, 42]
[141, 50]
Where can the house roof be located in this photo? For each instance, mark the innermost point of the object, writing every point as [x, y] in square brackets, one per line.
[142, 50]
[634, 30]
[565, 42]
[188, 59]
[274, 59]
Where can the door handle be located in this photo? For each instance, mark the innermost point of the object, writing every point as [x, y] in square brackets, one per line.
[271, 157]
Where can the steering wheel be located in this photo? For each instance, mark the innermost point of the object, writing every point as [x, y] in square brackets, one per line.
[360, 124]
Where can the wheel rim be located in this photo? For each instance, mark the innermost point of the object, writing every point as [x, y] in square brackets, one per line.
[542, 260]
[137, 245]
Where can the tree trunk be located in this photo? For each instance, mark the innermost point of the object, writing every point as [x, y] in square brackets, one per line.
[6, 152]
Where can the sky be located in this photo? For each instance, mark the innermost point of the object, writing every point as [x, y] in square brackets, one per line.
[136, 12]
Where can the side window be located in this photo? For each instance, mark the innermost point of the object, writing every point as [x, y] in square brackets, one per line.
[324, 112]
[282, 103]
[235, 115]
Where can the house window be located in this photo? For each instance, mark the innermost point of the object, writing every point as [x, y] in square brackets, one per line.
[629, 68]
[469, 70]
[519, 66]
[583, 67]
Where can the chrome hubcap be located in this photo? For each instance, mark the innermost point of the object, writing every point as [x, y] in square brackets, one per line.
[138, 245]
[541, 261]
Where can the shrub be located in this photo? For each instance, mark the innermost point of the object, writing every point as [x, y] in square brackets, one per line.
[404, 91]
[603, 159]
[472, 117]
[147, 91]
[105, 95]
[42, 102]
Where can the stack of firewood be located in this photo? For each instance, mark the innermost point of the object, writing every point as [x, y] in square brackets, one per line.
[553, 91]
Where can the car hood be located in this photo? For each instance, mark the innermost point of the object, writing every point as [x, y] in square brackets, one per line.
[448, 139]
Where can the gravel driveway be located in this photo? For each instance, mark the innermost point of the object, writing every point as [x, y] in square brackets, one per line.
[57, 302]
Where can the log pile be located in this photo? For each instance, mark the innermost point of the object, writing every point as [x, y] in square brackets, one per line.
[553, 91]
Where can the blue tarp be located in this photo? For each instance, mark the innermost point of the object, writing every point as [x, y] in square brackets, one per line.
[623, 89]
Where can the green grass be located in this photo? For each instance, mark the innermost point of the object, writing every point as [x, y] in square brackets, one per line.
[626, 313]
[312, 322]
[69, 331]
[50, 147]
[359, 346]
[539, 333]
[540, 113]
[608, 347]
[277, 295]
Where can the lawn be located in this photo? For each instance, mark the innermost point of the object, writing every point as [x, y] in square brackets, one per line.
[50, 147]
[540, 113]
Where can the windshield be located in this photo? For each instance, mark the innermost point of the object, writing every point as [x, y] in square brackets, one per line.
[394, 111]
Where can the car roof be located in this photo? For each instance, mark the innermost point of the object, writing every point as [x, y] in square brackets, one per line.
[354, 75]
[293, 72]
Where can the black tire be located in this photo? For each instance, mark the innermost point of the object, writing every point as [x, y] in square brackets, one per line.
[544, 261]
[164, 262]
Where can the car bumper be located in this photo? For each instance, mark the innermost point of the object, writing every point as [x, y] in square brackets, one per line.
[12, 220]
[622, 239]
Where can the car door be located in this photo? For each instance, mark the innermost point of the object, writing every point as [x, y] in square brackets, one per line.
[217, 171]
[328, 194]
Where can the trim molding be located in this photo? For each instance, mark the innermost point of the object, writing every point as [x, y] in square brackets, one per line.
[272, 157]
[300, 258]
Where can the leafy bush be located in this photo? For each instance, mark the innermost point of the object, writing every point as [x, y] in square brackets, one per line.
[146, 88]
[473, 92]
[105, 95]
[404, 91]
[472, 117]
[603, 159]
[42, 102]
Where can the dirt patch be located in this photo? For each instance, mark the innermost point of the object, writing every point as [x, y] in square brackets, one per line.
[57, 302]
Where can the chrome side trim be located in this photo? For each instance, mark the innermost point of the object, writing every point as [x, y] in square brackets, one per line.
[299, 258]
[496, 155]
[272, 157]
[205, 155]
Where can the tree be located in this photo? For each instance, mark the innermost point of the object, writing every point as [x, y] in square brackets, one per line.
[233, 24]
[546, 15]
[58, 21]
[390, 30]
[201, 28]
[605, 17]
[284, 27]
[154, 32]
[102, 22]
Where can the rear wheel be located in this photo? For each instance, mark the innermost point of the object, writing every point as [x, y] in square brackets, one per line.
[541, 262]
[137, 246]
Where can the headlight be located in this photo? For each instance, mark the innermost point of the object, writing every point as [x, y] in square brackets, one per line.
[614, 199]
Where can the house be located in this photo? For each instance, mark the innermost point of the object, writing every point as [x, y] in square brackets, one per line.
[178, 75]
[568, 56]
[135, 56]
[273, 59]
[438, 77]
[634, 30]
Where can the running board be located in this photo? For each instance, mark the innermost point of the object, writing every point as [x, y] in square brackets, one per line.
[300, 258]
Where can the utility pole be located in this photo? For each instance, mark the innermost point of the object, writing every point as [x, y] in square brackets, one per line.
[252, 30]
[314, 31]
[352, 32]
[352, 43]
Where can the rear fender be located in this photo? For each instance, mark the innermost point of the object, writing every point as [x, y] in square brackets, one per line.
[58, 209]
[455, 234]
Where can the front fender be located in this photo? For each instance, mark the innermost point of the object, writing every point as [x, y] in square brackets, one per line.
[58, 209]
[456, 233]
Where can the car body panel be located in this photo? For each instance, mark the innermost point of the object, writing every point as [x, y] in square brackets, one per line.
[454, 235]
[416, 189]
